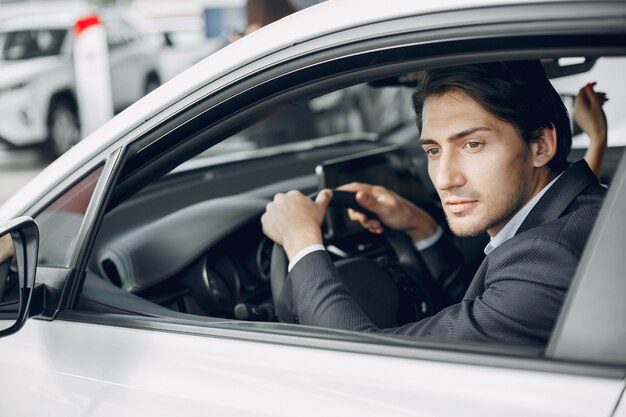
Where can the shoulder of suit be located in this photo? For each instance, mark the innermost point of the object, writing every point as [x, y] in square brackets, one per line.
[570, 230]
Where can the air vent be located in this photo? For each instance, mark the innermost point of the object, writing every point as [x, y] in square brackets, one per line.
[111, 272]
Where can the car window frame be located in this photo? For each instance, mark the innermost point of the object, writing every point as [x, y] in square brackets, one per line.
[59, 279]
[142, 144]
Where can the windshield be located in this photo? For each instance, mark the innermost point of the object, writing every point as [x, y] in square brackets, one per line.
[27, 44]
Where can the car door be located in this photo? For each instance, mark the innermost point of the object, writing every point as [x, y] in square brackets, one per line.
[70, 361]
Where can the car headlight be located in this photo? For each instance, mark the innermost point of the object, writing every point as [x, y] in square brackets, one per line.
[12, 88]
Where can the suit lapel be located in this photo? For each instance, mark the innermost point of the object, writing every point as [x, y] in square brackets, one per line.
[565, 190]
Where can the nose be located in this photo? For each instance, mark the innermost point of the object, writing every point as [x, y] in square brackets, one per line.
[446, 172]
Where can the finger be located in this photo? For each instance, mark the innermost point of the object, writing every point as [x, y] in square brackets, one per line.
[356, 216]
[278, 197]
[373, 225]
[585, 87]
[264, 223]
[591, 95]
[582, 99]
[377, 229]
[366, 200]
[323, 198]
[364, 221]
[597, 97]
[584, 91]
[355, 187]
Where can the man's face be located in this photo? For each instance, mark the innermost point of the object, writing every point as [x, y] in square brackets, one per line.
[480, 166]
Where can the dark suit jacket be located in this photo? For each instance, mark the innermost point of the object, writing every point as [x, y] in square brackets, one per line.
[514, 297]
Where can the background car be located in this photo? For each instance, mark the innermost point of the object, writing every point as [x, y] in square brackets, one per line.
[150, 236]
[183, 44]
[38, 103]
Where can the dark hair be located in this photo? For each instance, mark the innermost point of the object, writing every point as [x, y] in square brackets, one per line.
[517, 92]
[264, 12]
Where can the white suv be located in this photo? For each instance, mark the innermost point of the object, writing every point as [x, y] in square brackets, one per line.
[37, 88]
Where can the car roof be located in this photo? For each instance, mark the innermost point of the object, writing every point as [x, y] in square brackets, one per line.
[325, 18]
[39, 21]
[64, 19]
[58, 18]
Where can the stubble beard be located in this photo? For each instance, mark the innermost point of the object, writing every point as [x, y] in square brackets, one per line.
[495, 215]
[499, 211]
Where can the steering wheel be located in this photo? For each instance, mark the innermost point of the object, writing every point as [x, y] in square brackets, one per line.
[409, 263]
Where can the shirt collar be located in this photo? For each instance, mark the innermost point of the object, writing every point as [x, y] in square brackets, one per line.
[509, 229]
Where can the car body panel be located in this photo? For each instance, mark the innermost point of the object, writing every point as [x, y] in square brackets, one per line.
[98, 370]
[132, 61]
[24, 111]
[621, 408]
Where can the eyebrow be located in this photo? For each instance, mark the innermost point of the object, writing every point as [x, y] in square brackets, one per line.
[458, 135]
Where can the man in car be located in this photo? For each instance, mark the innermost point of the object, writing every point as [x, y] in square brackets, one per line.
[496, 136]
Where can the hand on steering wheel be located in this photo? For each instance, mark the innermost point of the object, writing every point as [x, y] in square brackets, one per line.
[408, 258]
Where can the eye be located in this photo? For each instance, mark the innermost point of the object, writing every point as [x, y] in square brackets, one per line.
[473, 145]
[432, 152]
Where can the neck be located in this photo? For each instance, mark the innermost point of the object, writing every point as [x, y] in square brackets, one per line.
[539, 180]
[544, 177]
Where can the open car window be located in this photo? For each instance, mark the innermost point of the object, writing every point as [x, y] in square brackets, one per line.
[190, 241]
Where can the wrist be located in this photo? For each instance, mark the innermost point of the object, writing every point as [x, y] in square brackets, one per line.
[423, 228]
[417, 235]
[598, 136]
[294, 244]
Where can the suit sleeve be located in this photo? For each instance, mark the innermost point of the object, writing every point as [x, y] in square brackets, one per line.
[442, 259]
[520, 303]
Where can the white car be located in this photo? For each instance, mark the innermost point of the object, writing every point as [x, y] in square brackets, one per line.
[38, 102]
[183, 44]
[152, 294]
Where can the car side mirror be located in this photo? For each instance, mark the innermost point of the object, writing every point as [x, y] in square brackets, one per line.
[19, 243]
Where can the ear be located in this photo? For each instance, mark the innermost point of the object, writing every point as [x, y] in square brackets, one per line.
[544, 147]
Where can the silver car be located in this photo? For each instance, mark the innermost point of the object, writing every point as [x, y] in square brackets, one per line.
[143, 284]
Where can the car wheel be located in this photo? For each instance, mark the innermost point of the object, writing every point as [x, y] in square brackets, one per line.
[63, 127]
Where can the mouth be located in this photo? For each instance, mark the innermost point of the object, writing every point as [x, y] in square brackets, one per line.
[460, 206]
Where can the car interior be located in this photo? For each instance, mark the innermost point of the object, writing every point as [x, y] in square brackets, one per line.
[189, 243]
